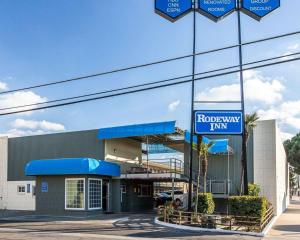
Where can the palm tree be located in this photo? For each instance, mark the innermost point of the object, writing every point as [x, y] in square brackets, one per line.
[203, 150]
[250, 124]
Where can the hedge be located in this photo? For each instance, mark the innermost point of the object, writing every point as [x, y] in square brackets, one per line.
[254, 189]
[248, 206]
[206, 203]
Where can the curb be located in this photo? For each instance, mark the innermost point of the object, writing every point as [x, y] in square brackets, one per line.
[197, 229]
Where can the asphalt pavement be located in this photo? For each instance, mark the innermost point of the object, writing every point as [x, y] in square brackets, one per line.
[121, 227]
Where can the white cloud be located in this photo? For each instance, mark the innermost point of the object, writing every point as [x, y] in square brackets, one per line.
[173, 105]
[290, 50]
[286, 135]
[294, 46]
[19, 133]
[38, 125]
[258, 88]
[286, 113]
[20, 99]
[3, 86]
[22, 127]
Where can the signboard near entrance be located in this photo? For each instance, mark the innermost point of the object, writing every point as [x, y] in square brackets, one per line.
[218, 122]
[173, 9]
[44, 187]
[257, 9]
[216, 10]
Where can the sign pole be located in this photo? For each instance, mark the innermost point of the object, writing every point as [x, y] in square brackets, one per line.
[244, 147]
[192, 109]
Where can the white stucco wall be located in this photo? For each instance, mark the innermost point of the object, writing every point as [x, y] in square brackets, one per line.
[270, 165]
[3, 171]
[123, 150]
[9, 196]
[20, 201]
[281, 175]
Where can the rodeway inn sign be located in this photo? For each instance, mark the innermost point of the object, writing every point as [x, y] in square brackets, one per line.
[218, 122]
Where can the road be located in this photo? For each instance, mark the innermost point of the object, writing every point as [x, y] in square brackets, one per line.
[119, 227]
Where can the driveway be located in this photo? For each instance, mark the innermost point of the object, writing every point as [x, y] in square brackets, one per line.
[121, 227]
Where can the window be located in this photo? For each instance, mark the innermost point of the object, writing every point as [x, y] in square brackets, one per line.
[21, 189]
[95, 193]
[28, 188]
[74, 194]
[144, 190]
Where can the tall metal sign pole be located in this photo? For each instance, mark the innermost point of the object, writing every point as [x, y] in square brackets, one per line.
[192, 110]
[215, 10]
[256, 10]
[244, 141]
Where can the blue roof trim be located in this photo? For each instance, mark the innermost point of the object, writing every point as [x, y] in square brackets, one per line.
[70, 166]
[219, 146]
[137, 130]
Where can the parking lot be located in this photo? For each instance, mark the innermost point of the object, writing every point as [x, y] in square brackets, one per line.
[135, 226]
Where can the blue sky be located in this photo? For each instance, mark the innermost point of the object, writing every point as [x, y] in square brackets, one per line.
[44, 41]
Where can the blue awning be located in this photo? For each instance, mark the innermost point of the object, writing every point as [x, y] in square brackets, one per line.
[219, 146]
[137, 130]
[71, 166]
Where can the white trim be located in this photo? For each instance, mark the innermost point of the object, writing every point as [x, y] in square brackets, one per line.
[270, 225]
[197, 229]
[75, 209]
[98, 179]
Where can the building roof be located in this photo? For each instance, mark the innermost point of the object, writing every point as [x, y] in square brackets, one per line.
[71, 166]
[137, 130]
[154, 134]
[162, 137]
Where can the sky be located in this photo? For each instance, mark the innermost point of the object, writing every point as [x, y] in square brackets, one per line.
[45, 41]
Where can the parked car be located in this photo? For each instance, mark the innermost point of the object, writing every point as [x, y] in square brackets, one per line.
[161, 199]
[178, 195]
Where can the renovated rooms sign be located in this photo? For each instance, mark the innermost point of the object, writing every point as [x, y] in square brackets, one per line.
[216, 9]
[218, 122]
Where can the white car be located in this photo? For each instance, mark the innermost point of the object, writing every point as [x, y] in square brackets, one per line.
[178, 195]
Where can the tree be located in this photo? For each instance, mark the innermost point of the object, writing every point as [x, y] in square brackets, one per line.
[250, 123]
[292, 180]
[292, 148]
[203, 151]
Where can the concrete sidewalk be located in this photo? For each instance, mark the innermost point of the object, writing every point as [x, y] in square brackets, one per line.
[288, 224]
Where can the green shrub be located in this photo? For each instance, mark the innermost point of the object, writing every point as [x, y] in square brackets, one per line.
[254, 189]
[248, 206]
[206, 203]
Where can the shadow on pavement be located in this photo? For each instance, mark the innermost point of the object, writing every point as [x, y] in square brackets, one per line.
[288, 228]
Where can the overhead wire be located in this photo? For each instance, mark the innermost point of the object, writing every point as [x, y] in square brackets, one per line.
[150, 83]
[149, 88]
[148, 64]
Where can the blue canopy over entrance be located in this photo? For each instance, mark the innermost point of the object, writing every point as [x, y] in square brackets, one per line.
[71, 166]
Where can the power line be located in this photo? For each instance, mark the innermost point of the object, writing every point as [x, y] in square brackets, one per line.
[149, 64]
[149, 88]
[151, 83]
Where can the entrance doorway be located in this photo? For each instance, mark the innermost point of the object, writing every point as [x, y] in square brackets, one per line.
[105, 196]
